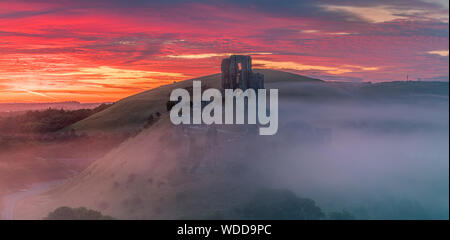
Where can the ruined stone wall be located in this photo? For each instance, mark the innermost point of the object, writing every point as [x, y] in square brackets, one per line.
[237, 73]
[226, 77]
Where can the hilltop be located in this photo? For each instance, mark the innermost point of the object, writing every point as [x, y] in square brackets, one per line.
[132, 112]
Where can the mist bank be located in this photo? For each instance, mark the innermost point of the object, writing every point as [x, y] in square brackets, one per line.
[383, 156]
[384, 160]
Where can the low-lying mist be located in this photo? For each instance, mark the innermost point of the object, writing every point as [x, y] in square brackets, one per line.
[377, 160]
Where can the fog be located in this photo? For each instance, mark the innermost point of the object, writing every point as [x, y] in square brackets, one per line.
[377, 160]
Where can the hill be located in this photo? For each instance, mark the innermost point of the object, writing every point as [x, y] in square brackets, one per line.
[176, 172]
[132, 112]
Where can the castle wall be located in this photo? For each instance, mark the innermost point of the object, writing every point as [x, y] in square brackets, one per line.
[237, 73]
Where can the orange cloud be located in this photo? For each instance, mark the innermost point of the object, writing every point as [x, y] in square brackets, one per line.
[442, 53]
[105, 51]
[305, 67]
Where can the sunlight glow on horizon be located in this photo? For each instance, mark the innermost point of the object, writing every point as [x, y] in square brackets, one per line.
[92, 53]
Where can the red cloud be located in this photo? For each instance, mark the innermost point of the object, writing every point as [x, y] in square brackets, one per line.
[45, 47]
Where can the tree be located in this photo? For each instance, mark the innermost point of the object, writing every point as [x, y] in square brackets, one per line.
[81, 213]
[280, 205]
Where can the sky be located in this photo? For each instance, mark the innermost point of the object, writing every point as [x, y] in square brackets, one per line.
[104, 50]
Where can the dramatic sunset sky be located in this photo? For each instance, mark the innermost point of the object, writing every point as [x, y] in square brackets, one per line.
[99, 50]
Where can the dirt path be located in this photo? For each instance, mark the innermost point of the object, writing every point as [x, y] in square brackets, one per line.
[10, 201]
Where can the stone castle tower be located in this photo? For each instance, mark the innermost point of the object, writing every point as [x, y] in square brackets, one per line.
[237, 73]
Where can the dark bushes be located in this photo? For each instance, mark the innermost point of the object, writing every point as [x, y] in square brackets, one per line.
[280, 205]
[81, 213]
[46, 121]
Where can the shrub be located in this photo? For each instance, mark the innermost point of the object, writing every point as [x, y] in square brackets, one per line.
[45, 121]
[280, 205]
[81, 213]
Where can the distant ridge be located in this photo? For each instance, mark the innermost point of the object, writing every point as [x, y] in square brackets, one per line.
[67, 105]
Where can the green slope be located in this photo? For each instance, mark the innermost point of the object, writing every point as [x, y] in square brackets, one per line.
[132, 112]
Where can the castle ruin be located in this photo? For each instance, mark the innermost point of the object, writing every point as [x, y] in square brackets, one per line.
[237, 73]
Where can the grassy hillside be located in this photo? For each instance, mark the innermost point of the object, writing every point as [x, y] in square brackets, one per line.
[132, 112]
